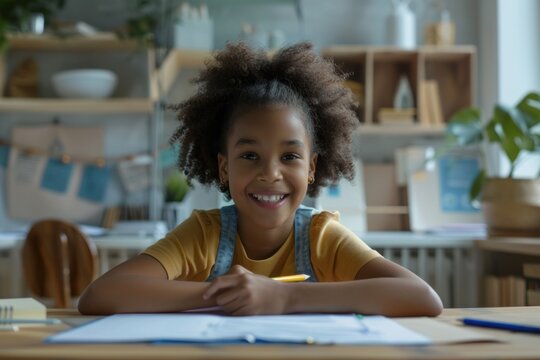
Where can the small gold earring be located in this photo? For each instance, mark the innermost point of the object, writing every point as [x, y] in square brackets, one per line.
[311, 179]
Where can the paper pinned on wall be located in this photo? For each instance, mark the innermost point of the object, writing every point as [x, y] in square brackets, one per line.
[135, 173]
[94, 182]
[26, 198]
[27, 168]
[56, 176]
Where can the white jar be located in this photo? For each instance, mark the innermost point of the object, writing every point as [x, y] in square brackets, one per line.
[401, 25]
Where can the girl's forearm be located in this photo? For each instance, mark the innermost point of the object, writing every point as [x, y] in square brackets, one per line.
[384, 296]
[134, 293]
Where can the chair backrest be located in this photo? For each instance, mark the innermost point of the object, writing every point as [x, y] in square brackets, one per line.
[59, 261]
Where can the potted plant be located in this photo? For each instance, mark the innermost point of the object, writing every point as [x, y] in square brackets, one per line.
[511, 205]
[15, 14]
[177, 204]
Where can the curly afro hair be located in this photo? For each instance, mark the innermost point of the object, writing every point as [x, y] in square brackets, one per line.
[239, 77]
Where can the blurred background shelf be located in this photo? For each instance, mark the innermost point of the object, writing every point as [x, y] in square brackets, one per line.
[100, 42]
[378, 70]
[78, 106]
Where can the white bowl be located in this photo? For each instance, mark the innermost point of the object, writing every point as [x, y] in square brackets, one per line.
[84, 83]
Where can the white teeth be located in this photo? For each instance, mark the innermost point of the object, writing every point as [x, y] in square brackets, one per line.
[268, 198]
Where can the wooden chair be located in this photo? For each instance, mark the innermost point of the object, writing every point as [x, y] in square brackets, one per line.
[59, 261]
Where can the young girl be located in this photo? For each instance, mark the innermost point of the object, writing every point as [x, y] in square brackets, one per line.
[266, 132]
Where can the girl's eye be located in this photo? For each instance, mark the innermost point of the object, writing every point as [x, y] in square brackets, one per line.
[289, 157]
[249, 156]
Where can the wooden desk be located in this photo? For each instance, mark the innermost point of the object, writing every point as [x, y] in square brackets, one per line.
[27, 344]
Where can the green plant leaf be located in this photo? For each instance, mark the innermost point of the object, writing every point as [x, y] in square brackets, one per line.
[529, 106]
[477, 186]
[491, 132]
[511, 136]
[464, 128]
[536, 138]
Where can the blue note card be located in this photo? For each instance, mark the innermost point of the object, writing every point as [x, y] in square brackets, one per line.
[4, 155]
[56, 176]
[94, 182]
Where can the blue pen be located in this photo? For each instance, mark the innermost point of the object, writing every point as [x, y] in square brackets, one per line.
[535, 329]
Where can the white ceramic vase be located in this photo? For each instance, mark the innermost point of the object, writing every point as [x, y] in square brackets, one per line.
[401, 25]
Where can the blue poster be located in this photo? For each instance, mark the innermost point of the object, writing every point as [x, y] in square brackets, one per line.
[4, 155]
[56, 176]
[456, 175]
[94, 182]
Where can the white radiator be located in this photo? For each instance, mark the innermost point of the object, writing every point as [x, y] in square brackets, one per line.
[447, 263]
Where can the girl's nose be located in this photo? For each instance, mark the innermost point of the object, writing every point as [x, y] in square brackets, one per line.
[270, 172]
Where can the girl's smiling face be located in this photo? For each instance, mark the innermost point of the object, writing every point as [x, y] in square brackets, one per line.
[267, 165]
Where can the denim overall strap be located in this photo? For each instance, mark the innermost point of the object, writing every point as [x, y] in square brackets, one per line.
[302, 254]
[227, 240]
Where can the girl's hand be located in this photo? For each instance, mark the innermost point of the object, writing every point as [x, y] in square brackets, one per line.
[240, 292]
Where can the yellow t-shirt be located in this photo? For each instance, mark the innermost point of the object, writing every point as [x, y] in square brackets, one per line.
[189, 251]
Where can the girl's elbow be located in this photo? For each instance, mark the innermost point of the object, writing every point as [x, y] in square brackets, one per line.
[88, 303]
[85, 301]
[433, 304]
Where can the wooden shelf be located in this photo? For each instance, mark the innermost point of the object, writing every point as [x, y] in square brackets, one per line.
[101, 42]
[98, 42]
[400, 130]
[344, 51]
[523, 246]
[450, 71]
[178, 60]
[79, 106]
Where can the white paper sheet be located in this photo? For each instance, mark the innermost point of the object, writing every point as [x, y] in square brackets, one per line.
[202, 328]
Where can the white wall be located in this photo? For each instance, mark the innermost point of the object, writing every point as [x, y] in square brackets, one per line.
[509, 64]
[519, 49]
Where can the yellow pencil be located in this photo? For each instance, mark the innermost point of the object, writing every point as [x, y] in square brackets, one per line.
[292, 278]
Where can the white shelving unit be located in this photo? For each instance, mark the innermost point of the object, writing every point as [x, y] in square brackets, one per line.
[95, 46]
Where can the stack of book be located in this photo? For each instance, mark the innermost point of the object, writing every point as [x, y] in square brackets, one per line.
[17, 312]
[531, 271]
[21, 308]
[504, 291]
[393, 116]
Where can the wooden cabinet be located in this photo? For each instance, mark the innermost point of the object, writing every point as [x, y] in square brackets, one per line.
[441, 76]
[502, 281]
[378, 71]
